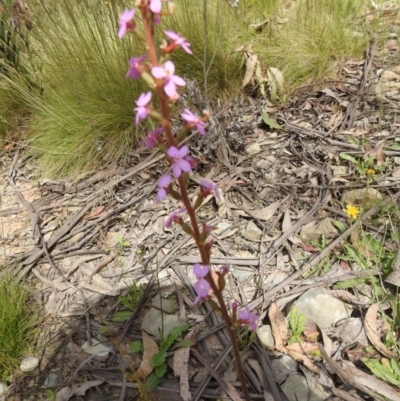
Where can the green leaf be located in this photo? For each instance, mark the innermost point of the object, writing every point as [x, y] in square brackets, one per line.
[161, 370]
[50, 394]
[269, 121]
[345, 156]
[214, 305]
[159, 358]
[187, 342]
[151, 383]
[122, 316]
[339, 225]
[383, 372]
[136, 346]
[173, 335]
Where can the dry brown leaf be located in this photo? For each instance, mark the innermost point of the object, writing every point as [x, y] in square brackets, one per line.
[303, 347]
[150, 349]
[279, 326]
[304, 359]
[181, 359]
[370, 328]
[266, 213]
[377, 152]
[95, 213]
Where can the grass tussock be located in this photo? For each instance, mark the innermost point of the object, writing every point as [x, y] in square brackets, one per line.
[18, 322]
[84, 118]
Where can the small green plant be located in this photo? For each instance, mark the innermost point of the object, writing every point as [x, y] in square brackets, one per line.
[18, 320]
[385, 369]
[296, 325]
[159, 360]
[129, 302]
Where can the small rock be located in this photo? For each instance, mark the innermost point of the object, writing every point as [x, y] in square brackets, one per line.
[322, 308]
[167, 305]
[339, 171]
[51, 380]
[275, 278]
[362, 196]
[252, 232]
[253, 148]
[222, 227]
[296, 389]
[153, 319]
[67, 262]
[265, 335]
[242, 273]
[283, 367]
[352, 331]
[396, 160]
[3, 390]
[396, 173]
[97, 348]
[29, 364]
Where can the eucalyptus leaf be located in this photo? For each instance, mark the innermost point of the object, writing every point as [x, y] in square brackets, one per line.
[269, 121]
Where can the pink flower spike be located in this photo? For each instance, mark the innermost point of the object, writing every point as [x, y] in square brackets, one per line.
[152, 138]
[178, 41]
[246, 317]
[171, 81]
[234, 305]
[155, 6]
[163, 185]
[174, 217]
[178, 156]
[134, 67]
[202, 288]
[200, 271]
[125, 23]
[142, 110]
[193, 121]
[210, 186]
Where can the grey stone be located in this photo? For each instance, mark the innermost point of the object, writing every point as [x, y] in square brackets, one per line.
[29, 364]
[322, 308]
[283, 367]
[252, 232]
[265, 335]
[165, 304]
[296, 389]
[96, 348]
[352, 331]
[152, 322]
[51, 380]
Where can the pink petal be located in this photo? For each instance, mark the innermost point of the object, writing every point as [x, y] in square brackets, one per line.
[176, 169]
[169, 67]
[170, 89]
[183, 151]
[156, 6]
[165, 180]
[158, 72]
[178, 80]
[185, 165]
[172, 35]
[122, 31]
[173, 152]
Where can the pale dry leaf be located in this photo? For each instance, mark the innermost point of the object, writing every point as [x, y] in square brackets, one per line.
[181, 359]
[251, 63]
[266, 213]
[78, 389]
[287, 221]
[279, 326]
[304, 359]
[370, 328]
[95, 213]
[150, 348]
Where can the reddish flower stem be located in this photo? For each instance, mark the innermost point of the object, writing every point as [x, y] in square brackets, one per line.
[204, 254]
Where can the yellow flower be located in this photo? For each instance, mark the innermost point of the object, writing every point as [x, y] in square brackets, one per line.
[352, 211]
[370, 171]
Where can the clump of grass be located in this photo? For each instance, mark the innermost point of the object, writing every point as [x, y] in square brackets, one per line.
[18, 321]
[308, 40]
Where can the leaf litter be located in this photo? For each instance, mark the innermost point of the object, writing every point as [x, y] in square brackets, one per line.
[86, 242]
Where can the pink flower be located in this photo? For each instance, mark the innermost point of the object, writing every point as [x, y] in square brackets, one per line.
[142, 110]
[163, 185]
[152, 138]
[193, 121]
[166, 72]
[200, 271]
[246, 317]
[202, 288]
[135, 67]
[174, 217]
[155, 6]
[210, 186]
[125, 23]
[178, 41]
[178, 156]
